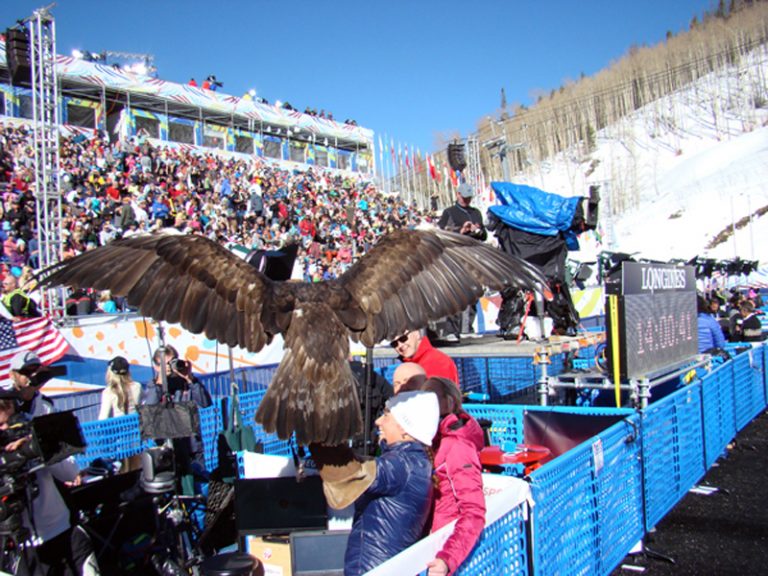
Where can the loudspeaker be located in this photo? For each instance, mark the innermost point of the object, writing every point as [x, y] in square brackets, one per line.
[456, 156]
[17, 53]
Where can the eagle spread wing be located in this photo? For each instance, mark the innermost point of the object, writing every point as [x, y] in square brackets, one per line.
[411, 277]
[407, 279]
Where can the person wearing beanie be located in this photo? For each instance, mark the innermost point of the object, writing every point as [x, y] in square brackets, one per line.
[393, 493]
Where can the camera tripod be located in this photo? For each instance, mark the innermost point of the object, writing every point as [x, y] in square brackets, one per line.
[17, 556]
[174, 547]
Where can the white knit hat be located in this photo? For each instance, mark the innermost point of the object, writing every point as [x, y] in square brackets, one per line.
[418, 414]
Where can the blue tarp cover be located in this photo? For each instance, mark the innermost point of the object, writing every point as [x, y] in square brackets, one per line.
[533, 210]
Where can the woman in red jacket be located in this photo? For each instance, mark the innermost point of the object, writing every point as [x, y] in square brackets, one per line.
[459, 494]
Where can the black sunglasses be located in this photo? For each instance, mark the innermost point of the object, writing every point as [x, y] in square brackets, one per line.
[400, 340]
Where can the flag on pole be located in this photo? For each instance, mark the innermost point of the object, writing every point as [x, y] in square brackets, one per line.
[407, 162]
[38, 335]
[431, 164]
[454, 178]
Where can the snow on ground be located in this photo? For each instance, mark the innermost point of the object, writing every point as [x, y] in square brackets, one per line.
[675, 174]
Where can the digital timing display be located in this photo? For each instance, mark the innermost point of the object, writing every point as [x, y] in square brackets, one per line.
[656, 317]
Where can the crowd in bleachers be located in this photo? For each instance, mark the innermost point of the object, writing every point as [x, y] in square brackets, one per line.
[124, 188]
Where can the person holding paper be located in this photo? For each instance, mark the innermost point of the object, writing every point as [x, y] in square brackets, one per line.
[459, 493]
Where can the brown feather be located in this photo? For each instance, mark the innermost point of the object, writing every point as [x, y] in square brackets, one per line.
[409, 278]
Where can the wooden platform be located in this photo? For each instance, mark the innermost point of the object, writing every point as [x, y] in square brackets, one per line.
[490, 345]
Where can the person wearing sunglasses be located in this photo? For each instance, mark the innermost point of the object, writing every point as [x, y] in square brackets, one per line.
[414, 346]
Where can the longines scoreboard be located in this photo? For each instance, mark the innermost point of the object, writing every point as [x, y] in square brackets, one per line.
[651, 309]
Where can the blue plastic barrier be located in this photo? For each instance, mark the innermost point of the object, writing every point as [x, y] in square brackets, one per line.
[764, 348]
[210, 425]
[673, 450]
[249, 403]
[501, 549]
[111, 439]
[588, 509]
[719, 423]
[506, 429]
[748, 389]
[499, 378]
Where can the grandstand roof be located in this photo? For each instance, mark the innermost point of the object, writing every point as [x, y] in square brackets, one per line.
[80, 72]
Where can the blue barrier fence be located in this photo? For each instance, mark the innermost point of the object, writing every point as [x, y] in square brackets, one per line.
[501, 549]
[582, 523]
[498, 378]
[592, 503]
[719, 423]
[673, 450]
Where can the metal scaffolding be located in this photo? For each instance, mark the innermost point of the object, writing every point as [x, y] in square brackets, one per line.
[45, 98]
[474, 169]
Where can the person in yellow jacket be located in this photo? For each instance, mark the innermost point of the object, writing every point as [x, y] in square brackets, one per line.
[18, 303]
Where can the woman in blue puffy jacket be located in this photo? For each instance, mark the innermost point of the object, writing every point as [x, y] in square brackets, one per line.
[393, 493]
[709, 331]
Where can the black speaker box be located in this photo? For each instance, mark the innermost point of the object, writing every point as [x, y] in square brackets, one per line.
[17, 54]
[456, 156]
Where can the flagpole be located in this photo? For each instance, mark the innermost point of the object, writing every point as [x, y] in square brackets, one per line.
[381, 165]
[400, 169]
[384, 165]
[408, 165]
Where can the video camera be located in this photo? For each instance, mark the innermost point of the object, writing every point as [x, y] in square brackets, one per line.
[179, 365]
[46, 440]
[40, 374]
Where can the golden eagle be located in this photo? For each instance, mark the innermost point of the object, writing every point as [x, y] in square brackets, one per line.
[409, 278]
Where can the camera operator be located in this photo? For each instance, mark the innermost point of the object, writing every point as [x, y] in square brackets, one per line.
[24, 366]
[461, 218]
[183, 386]
[60, 548]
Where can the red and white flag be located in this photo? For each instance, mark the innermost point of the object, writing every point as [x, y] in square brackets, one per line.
[38, 335]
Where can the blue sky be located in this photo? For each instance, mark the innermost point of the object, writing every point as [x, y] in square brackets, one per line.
[408, 69]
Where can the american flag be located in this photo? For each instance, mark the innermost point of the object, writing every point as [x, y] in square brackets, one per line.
[36, 334]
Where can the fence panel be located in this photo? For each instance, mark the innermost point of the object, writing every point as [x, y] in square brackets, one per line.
[473, 374]
[673, 450]
[249, 403]
[588, 504]
[749, 388]
[501, 549]
[718, 406]
[508, 376]
[506, 429]
[111, 439]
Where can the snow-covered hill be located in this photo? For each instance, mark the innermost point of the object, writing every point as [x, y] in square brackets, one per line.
[679, 172]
